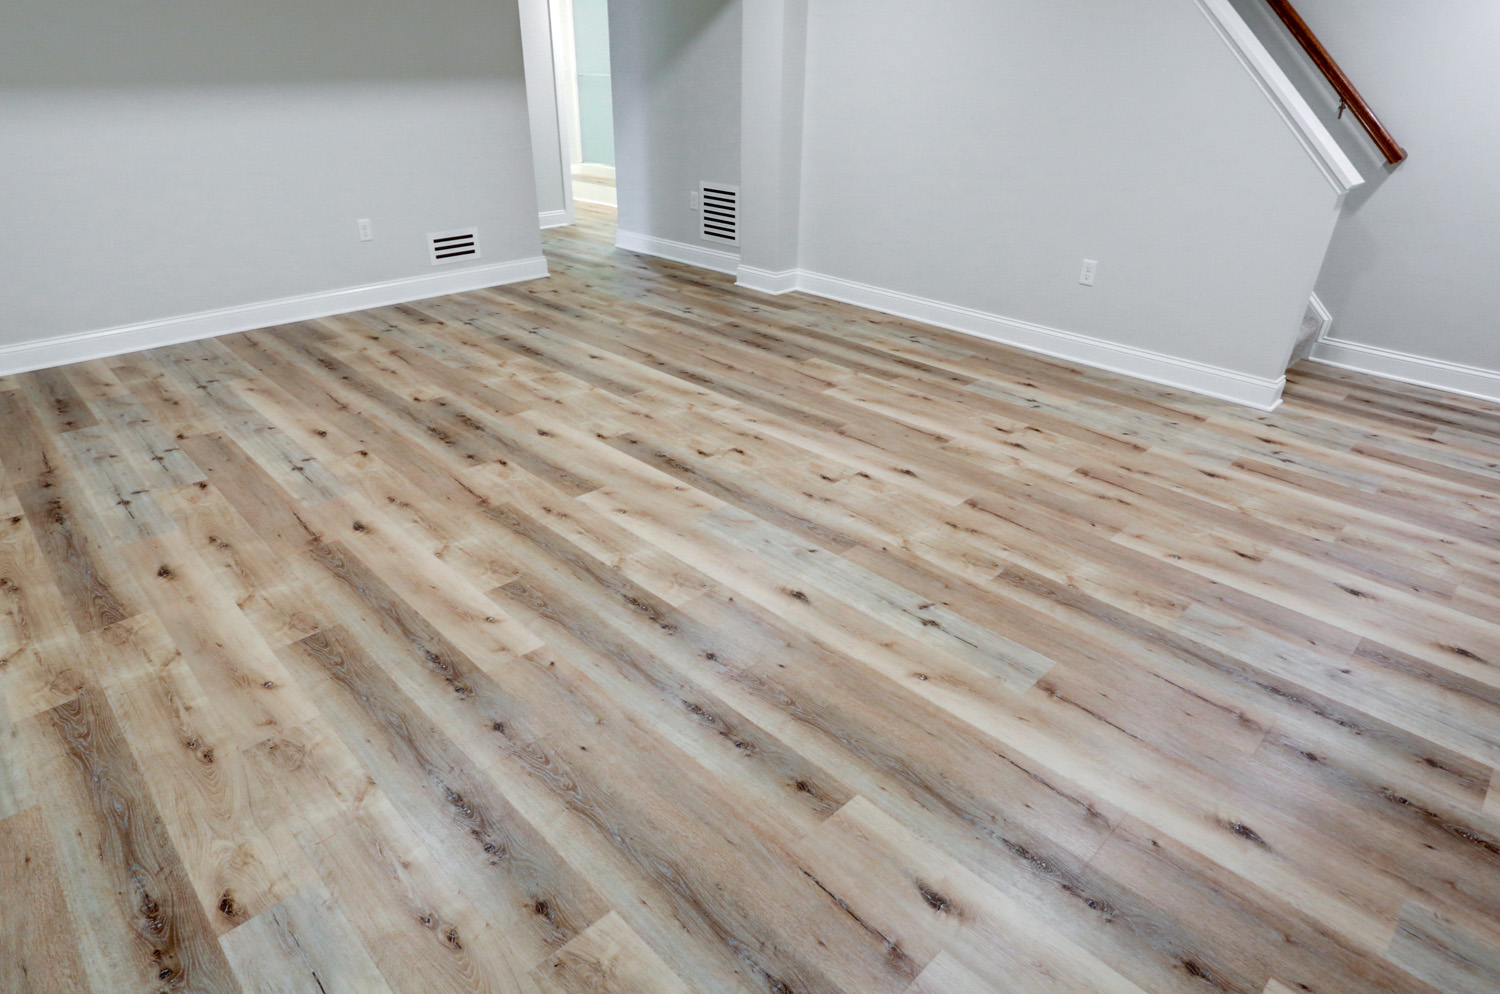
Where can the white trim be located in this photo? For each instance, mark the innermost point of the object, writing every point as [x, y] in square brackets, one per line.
[1471, 381]
[1157, 367]
[594, 172]
[555, 219]
[766, 281]
[564, 145]
[1325, 316]
[1285, 97]
[565, 61]
[693, 255]
[60, 351]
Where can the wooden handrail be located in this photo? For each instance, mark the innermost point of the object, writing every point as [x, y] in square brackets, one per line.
[1347, 91]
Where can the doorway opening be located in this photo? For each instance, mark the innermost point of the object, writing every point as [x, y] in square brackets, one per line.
[587, 99]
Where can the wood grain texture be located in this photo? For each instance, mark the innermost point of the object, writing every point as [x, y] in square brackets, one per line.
[302, 946]
[1441, 953]
[38, 950]
[141, 925]
[609, 958]
[945, 975]
[630, 632]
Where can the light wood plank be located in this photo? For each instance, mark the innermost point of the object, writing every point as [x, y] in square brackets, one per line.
[38, 944]
[302, 946]
[608, 957]
[145, 928]
[1442, 954]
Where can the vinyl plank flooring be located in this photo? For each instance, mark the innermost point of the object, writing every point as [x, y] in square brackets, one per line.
[628, 631]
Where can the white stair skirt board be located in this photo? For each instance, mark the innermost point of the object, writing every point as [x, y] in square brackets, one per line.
[554, 219]
[1315, 139]
[1471, 381]
[25, 356]
[693, 255]
[1157, 367]
[766, 281]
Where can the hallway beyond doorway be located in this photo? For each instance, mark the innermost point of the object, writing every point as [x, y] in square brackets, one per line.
[594, 183]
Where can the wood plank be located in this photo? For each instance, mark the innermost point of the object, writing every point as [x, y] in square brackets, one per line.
[608, 956]
[368, 550]
[171, 407]
[1438, 952]
[663, 702]
[1209, 926]
[146, 929]
[231, 661]
[751, 924]
[240, 860]
[273, 597]
[441, 792]
[96, 591]
[946, 975]
[420, 928]
[15, 792]
[303, 945]
[58, 401]
[120, 495]
[268, 508]
[32, 608]
[922, 903]
[147, 445]
[38, 941]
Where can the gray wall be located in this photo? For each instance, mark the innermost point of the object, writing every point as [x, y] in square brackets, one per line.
[164, 158]
[676, 72]
[975, 152]
[1412, 266]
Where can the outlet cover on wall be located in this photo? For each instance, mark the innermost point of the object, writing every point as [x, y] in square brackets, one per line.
[1090, 272]
[366, 230]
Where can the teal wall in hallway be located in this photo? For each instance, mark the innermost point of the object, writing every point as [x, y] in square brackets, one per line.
[595, 99]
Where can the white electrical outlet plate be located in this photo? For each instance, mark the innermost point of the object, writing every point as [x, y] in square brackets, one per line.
[366, 230]
[695, 200]
[1090, 272]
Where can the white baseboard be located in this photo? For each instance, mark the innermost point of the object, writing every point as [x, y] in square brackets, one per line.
[26, 356]
[766, 281]
[555, 219]
[693, 255]
[1157, 367]
[1471, 381]
[591, 172]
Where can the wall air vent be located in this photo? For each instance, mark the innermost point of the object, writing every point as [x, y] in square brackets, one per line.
[721, 213]
[454, 246]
